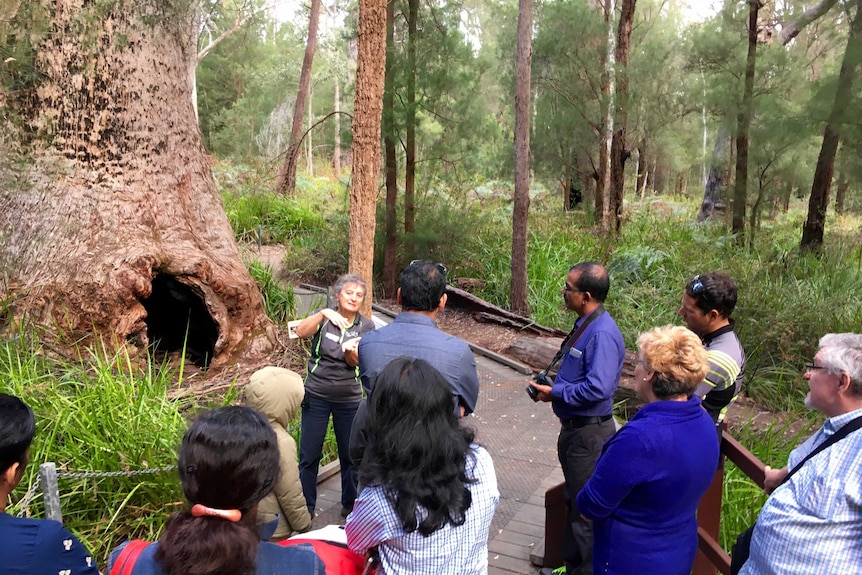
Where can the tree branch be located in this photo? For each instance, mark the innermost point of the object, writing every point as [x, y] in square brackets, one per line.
[791, 30]
[238, 23]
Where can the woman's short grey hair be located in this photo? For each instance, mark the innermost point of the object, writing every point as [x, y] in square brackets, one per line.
[348, 279]
[842, 352]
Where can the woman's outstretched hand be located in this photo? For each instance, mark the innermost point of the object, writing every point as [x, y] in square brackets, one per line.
[336, 318]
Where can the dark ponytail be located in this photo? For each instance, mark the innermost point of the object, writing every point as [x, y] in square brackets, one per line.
[228, 460]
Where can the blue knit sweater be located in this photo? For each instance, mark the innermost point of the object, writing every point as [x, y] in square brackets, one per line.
[644, 493]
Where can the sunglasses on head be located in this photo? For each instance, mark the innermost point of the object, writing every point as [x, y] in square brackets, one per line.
[696, 287]
[443, 269]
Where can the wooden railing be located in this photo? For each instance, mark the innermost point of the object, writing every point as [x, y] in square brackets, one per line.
[711, 558]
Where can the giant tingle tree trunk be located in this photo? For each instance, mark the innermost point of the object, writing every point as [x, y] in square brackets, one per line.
[110, 219]
[370, 68]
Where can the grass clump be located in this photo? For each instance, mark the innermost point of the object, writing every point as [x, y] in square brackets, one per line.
[100, 413]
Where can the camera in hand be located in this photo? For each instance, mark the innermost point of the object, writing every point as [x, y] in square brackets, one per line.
[541, 378]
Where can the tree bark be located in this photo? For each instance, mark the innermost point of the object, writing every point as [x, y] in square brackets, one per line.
[716, 183]
[740, 192]
[111, 222]
[287, 175]
[815, 224]
[336, 154]
[640, 181]
[603, 183]
[619, 153]
[790, 30]
[390, 247]
[370, 72]
[841, 193]
[410, 128]
[518, 283]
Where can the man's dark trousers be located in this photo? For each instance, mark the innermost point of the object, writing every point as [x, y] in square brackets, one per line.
[578, 449]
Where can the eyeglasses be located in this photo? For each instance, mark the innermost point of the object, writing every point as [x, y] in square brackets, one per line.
[571, 289]
[443, 269]
[812, 367]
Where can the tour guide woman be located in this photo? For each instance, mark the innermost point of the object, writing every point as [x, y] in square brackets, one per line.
[332, 386]
[651, 475]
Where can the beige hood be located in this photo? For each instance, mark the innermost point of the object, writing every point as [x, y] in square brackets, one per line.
[275, 392]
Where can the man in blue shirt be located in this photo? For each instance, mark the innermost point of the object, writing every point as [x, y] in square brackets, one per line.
[582, 397]
[414, 333]
[812, 523]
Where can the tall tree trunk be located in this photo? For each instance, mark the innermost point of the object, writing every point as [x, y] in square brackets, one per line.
[287, 175]
[841, 192]
[518, 284]
[370, 72]
[336, 153]
[110, 219]
[716, 182]
[390, 247]
[603, 184]
[410, 128]
[309, 146]
[740, 191]
[815, 224]
[640, 181]
[619, 153]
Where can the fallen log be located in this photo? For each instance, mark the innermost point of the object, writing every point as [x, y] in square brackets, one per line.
[465, 300]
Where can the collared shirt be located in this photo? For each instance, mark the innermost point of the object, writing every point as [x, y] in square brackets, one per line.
[416, 335]
[328, 376]
[812, 523]
[726, 370]
[451, 550]
[590, 371]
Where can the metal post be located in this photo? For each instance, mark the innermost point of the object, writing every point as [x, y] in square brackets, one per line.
[50, 491]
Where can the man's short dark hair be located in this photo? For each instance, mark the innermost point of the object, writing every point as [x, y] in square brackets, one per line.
[17, 427]
[422, 285]
[713, 291]
[593, 278]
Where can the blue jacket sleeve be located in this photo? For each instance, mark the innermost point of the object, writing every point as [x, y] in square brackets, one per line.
[623, 465]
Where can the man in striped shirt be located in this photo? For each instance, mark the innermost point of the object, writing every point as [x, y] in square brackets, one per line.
[707, 303]
[812, 522]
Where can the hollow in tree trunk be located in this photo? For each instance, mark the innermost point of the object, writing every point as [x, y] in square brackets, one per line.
[112, 226]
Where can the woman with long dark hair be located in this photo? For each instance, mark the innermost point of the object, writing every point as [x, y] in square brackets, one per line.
[228, 462]
[430, 491]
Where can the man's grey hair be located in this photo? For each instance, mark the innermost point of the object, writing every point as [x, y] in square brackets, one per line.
[842, 352]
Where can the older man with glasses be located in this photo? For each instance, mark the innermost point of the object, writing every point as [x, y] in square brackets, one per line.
[707, 303]
[812, 521]
[414, 334]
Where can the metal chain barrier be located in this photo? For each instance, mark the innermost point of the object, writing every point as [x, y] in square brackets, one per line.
[47, 480]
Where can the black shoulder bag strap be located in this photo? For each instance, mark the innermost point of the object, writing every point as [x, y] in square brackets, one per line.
[848, 428]
[574, 336]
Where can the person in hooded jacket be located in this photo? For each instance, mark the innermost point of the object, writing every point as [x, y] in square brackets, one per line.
[277, 393]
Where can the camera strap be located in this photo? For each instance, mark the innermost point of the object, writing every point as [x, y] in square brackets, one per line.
[574, 336]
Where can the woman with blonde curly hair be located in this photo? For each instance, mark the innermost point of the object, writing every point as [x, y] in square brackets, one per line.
[651, 475]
